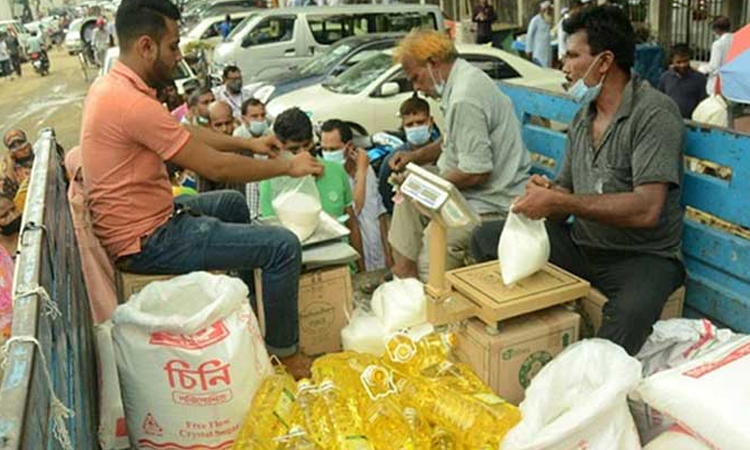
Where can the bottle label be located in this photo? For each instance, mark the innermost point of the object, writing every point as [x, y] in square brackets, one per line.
[283, 408]
[358, 442]
[489, 399]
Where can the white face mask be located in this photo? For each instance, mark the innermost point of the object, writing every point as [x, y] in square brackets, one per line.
[582, 93]
[257, 128]
[439, 87]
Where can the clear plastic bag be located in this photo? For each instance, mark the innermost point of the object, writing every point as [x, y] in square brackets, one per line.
[297, 204]
[523, 248]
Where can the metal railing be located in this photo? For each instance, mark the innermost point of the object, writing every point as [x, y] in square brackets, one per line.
[48, 395]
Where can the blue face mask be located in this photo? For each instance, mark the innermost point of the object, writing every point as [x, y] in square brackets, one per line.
[418, 135]
[257, 128]
[582, 93]
[336, 156]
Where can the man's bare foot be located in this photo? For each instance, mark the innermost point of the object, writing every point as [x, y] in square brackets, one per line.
[298, 365]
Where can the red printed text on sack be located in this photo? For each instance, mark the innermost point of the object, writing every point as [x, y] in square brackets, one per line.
[200, 339]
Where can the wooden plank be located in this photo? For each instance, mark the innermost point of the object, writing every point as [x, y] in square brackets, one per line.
[718, 303]
[717, 248]
[717, 197]
[538, 102]
[546, 142]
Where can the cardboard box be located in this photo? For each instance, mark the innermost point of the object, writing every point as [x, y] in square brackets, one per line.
[507, 359]
[325, 299]
[128, 284]
[483, 286]
[593, 303]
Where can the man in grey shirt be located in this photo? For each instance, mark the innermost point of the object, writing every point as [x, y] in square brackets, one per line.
[482, 154]
[620, 179]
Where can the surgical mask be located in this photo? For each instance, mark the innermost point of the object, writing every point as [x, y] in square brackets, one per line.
[235, 86]
[12, 227]
[418, 135]
[257, 128]
[439, 87]
[583, 94]
[336, 156]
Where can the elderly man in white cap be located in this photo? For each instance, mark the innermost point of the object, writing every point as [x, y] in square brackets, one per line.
[538, 36]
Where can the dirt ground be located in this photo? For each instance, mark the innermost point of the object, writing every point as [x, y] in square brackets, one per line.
[32, 102]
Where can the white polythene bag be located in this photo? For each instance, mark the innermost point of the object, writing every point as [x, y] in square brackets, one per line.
[364, 334]
[676, 439]
[113, 430]
[297, 204]
[523, 248]
[190, 358]
[708, 396]
[400, 304]
[578, 401]
[672, 343]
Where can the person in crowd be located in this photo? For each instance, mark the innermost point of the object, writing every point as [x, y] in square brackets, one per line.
[539, 37]
[231, 90]
[295, 132]
[35, 44]
[254, 120]
[126, 138]
[337, 145]
[225, 27]
[220, 118]
[5, 66]
[198, 103]
[683, 84]
[100, 39]
[722, 28]
[14, 48]
[169, 97]
[575, 7]
[254, 125]
[422, 146]
[482, 152]
[620, 180]
[484, 15]
[182, 109]
[15, 167]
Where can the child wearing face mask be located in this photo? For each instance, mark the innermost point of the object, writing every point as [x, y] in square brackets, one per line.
[420, 132]
[337, 146]
[295, 132]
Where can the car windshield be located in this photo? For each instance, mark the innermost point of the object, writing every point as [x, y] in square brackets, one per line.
[323, 62]
[361, 75]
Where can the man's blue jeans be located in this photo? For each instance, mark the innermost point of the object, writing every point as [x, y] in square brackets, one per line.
[214, 233]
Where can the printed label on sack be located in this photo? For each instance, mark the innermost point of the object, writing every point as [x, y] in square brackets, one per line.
[151, 427]
[704, 369]
[200, 339]
[207, 385]
[283, 408]
[121, 427]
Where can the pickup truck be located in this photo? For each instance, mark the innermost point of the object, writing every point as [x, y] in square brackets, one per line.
[51, 364]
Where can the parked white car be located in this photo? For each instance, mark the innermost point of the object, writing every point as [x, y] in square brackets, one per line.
[73, 42]
[182, 73]
[370, 92]
[207, 29]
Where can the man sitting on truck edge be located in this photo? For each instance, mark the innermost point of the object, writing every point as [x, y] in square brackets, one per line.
[620, 180]
[126, 138]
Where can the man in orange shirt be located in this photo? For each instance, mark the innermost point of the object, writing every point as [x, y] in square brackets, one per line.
[126, 138]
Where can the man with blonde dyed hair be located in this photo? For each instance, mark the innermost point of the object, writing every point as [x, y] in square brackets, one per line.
[482, 152]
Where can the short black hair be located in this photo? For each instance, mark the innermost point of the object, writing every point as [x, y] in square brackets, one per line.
[251, 102]
[293, 125]
[723, 24]
[681, 50]
[197, 94]
[607, 28]
[229, 69]
[345, 131]
[414, 105]
[138, 17]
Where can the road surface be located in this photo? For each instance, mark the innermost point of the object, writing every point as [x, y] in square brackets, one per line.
[33, 102]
